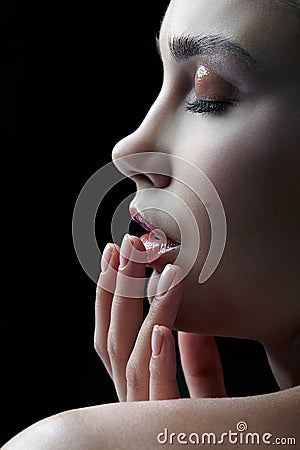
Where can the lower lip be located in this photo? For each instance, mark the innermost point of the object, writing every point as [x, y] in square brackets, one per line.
[157, 244]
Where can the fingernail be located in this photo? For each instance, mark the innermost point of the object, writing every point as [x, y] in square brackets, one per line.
[106, 257]
[165, 280]
[156, 341]
[125, 251]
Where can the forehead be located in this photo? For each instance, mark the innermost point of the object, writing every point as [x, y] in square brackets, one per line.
[267, 29]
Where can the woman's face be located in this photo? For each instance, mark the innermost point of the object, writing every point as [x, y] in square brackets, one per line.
[229, 105]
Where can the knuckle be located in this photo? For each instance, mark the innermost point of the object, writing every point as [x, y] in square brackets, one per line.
[100, 350]
[133, 377]
[98, 290]
[160, 377]
[156, 373]
[203, 373]
[97, 347]
[153, 312]
[112, 347]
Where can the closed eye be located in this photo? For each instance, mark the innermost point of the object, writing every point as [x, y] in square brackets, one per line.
[208, 106]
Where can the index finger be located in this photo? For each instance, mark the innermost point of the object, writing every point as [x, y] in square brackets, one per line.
[163, 311]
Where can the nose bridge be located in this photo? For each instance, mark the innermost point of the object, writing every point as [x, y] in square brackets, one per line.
[139, 153]
[147, 136]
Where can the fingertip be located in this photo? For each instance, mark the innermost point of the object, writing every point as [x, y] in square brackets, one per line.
[137, 243]
[106, 257]
[109, 265]
[166, 331]
[177, 269]
[131, 251]
[113, 250]
[161, 340]
[171, 280]
[156, 341]
[163, 368]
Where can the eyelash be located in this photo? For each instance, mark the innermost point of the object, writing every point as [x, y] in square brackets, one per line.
[208, 106]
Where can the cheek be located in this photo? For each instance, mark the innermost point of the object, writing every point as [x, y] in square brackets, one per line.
[260, 180]
[254, 164]
[261, 200]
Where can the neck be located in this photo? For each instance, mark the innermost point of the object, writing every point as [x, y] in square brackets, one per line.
[284, 361]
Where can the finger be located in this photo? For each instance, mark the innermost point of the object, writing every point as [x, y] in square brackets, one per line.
[163, 310]
[127, 309]
[163, 382]
[201, 365]
[104, 295]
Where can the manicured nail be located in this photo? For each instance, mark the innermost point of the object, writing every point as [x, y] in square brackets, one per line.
[156, 341]
[125, 251]
[106, 257]
[165, 280]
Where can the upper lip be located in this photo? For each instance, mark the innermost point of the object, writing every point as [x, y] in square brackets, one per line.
[141, 220]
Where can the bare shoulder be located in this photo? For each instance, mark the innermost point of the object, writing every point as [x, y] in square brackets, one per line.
[149, 425]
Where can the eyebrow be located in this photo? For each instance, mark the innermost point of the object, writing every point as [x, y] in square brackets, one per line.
[186, 46]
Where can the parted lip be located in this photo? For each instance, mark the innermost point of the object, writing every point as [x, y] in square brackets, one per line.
[140, 219]
[143, 222]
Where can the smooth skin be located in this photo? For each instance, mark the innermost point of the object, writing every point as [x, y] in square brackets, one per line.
[140, 375]
[122, 338]
[251, 154]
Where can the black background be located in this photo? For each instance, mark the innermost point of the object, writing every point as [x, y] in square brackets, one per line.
[76, 79]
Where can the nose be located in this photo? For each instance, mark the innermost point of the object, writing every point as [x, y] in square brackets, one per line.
[142, 155]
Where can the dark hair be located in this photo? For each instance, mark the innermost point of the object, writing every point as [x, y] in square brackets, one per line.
[293, 3]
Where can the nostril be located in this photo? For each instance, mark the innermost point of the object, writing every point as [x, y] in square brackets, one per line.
[159, 181]
[146, 180]
[131, 158]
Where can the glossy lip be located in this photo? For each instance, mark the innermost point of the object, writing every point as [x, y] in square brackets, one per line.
[139, 218]
[166, 258]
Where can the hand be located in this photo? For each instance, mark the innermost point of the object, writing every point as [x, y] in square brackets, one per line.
[140, 355]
